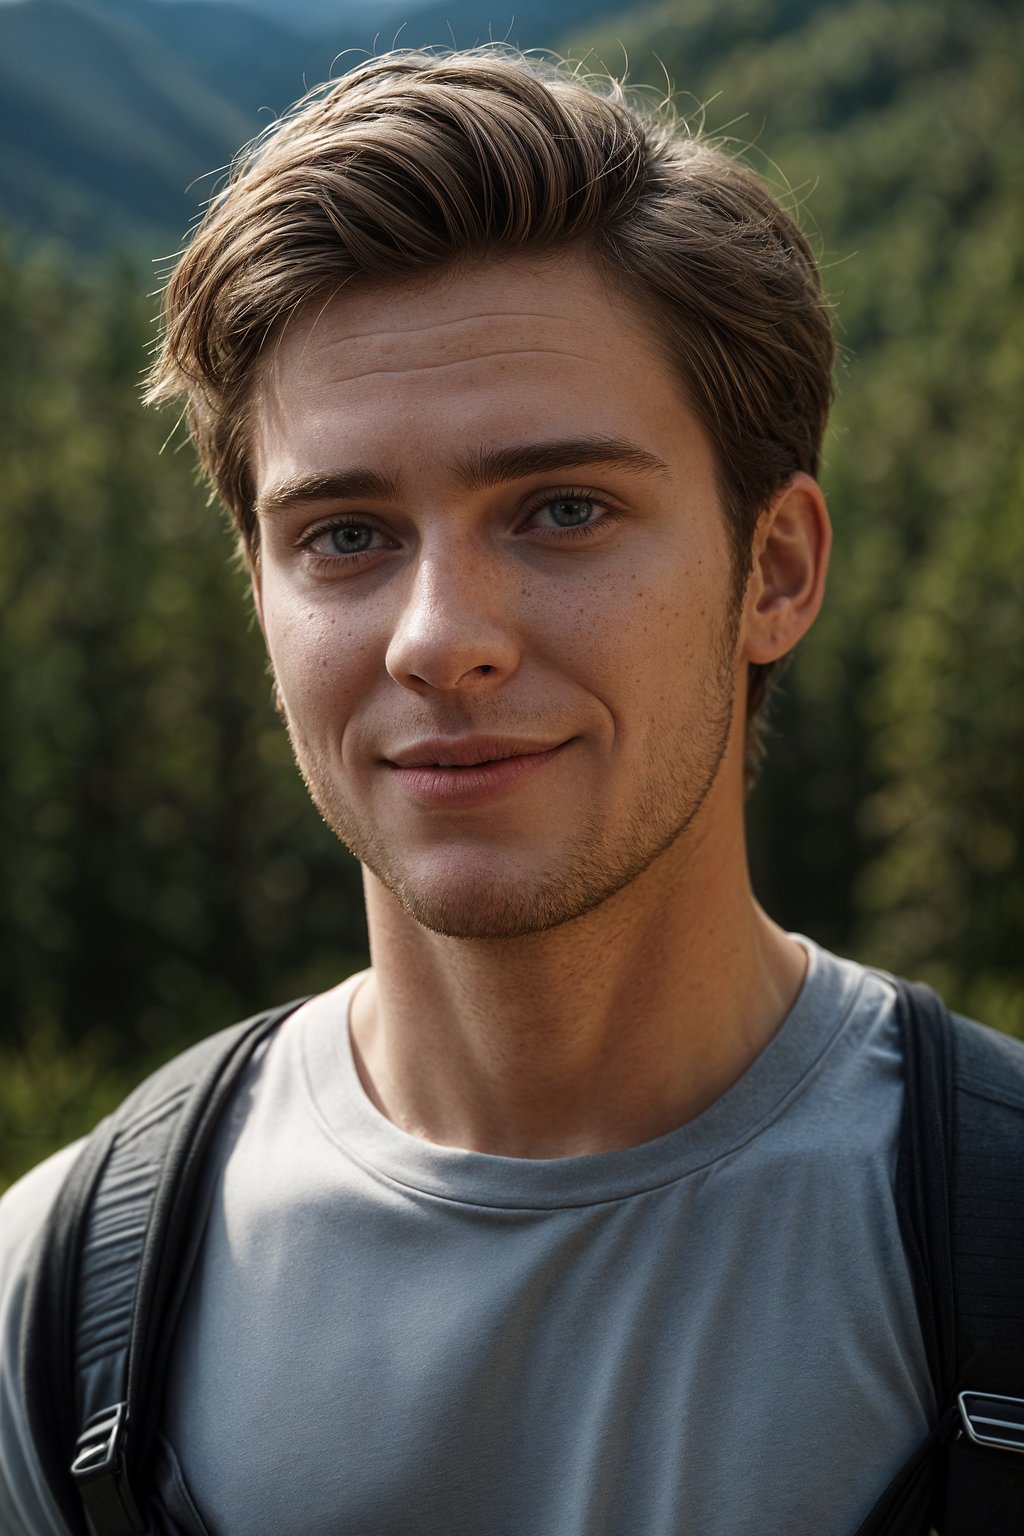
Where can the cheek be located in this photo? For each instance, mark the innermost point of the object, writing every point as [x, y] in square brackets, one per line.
[653, 645]
[320, 658]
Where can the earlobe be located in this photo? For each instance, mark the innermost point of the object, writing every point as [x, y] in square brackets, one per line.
[787, 581]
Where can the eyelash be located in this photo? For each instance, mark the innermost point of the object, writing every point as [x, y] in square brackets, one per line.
[574, 493]
[578, 531]
[357, 557]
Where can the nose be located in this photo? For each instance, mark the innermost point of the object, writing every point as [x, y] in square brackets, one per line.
[454, 630]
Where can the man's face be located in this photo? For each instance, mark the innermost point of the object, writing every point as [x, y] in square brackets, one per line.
[496, 589]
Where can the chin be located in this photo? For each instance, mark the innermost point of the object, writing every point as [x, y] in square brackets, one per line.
[495, 914]
[485, 904]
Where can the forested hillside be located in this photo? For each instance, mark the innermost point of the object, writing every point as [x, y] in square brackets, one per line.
[162, 870]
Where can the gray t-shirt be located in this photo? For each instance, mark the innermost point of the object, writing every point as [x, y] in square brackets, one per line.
[713, 1333]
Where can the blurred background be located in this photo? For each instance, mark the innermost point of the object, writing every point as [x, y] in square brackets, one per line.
[162, 872]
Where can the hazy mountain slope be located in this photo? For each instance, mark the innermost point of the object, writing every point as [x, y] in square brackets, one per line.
[526, 23]
[111, 109]
[103, 128]
[252, 61]
[318, 17]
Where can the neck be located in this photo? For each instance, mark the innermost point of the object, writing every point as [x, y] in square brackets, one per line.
[603, 1033]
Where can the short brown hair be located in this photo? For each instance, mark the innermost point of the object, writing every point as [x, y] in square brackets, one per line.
[413, 162]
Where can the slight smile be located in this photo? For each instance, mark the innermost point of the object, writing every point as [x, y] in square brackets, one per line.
[468, 771]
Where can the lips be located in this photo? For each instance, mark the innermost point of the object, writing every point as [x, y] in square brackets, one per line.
[467, 752]
[454, 775]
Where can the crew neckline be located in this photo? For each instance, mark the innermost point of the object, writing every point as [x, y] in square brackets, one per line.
[780, 1073]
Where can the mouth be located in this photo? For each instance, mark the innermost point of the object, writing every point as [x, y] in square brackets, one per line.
[460, 775]
[467, 753]
[465, 767]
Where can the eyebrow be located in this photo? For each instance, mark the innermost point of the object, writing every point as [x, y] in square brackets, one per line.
[495, 466]
[479, 470]
[333, 485]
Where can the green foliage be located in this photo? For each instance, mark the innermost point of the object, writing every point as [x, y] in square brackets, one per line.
[163, 870]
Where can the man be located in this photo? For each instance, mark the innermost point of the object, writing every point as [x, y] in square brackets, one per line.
[575, 1214]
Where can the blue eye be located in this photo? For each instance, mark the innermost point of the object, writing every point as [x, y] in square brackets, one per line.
[338, 546]
[570, 511]
[351, 538]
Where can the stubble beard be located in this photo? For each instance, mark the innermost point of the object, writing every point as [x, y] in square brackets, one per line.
[587, 870]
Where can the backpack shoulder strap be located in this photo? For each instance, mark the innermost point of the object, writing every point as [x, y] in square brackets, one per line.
[109, 1277]
[960, 1197]
[923, 1185]
[985, 1476]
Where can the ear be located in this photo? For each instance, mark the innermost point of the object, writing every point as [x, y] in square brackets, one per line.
[787, 579]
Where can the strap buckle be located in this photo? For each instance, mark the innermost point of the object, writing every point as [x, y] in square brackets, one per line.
[993, 1421]
[99, 1472]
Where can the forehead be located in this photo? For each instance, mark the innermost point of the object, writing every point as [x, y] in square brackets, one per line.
[523, 348]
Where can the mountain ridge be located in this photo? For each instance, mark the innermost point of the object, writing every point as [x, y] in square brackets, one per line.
[115, 115]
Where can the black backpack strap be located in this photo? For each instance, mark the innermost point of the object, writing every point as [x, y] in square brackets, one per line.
[924, 1174]
[960, 1196]
[923, 1195]
[110, 1273]
[985, 1474]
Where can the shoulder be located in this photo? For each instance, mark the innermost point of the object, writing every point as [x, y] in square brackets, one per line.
[987, 1066]
[986, 1062]
[26, 1507]
[24, 1209]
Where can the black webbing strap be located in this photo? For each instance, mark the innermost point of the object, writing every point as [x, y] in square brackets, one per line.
[110, 1276]
[923, 1193]
[984, 1483]
[960, 1195]
[46, 1363]
[925, 1174]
